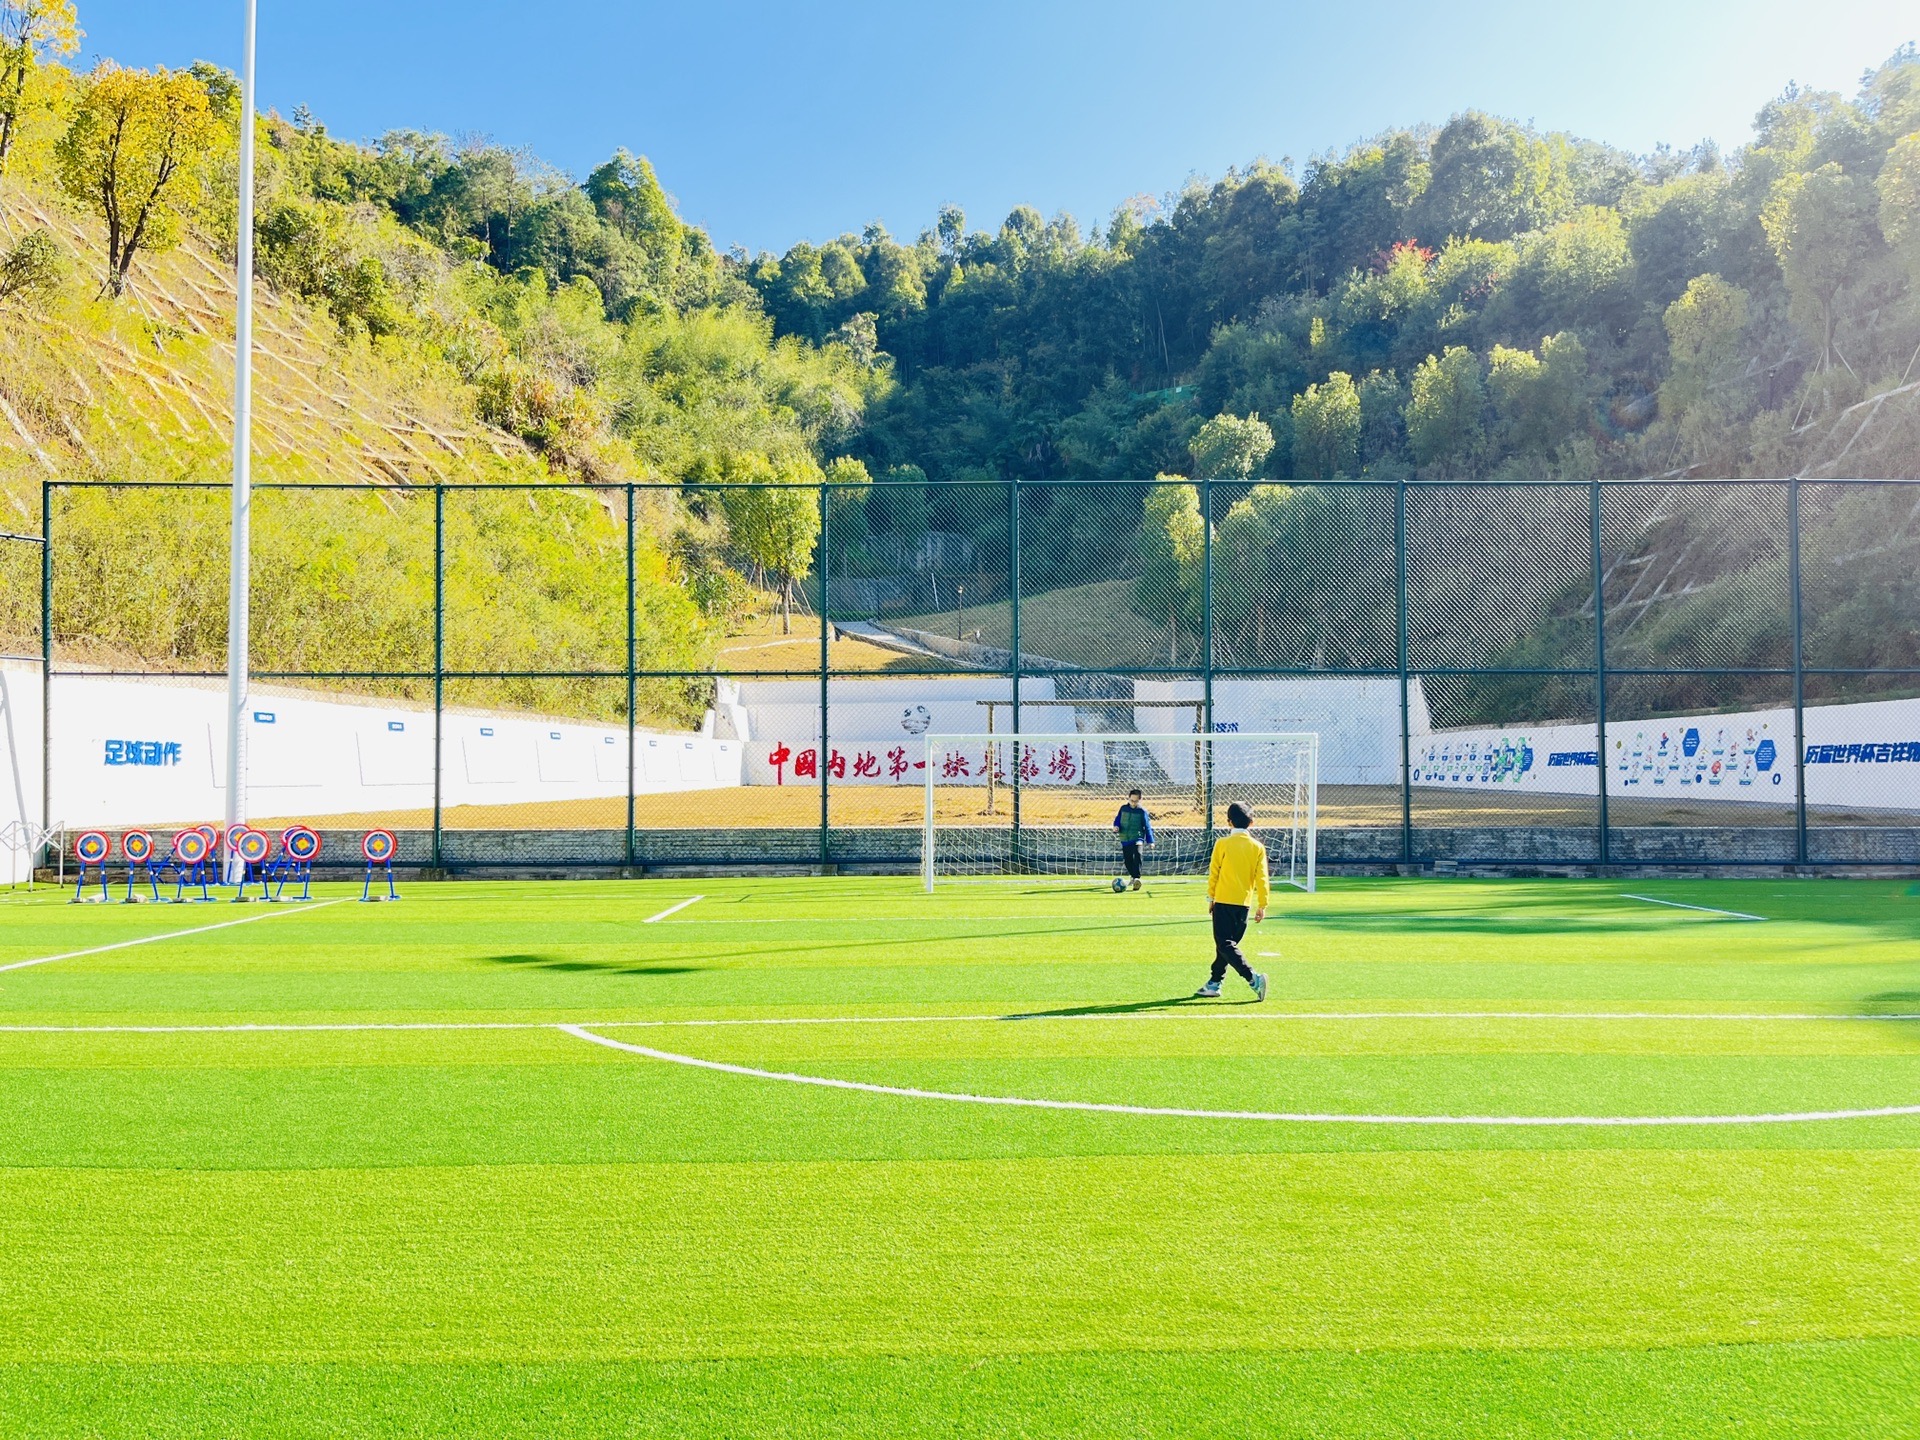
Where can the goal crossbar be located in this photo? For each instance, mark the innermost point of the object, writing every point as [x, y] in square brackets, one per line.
[1042, 802]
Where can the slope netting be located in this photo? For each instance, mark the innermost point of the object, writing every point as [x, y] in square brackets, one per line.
[720, 675]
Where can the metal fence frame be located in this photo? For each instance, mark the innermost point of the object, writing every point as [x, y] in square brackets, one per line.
[1205, 668]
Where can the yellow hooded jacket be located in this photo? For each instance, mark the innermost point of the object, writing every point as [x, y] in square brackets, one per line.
[1239, 870]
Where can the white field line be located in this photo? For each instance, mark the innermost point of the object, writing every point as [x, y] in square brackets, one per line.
[1704, 909]
[842, 920]
[1208, 1013]
[672, 910]
[1285, 1116]
[170, 935]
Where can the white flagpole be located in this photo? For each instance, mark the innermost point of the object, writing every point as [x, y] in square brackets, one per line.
[237, 580]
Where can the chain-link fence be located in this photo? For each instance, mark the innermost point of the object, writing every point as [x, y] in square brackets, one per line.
[1680, 673]
[22, 704]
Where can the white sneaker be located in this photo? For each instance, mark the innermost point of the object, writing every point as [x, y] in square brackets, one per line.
[1259, 986]
[1208, 991]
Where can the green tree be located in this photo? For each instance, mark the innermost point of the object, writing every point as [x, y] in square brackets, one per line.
[1171, 552]
[1443, 417]
[1303, 591]
[1899, 190]
[133, 135]
[1576, 273]
[34, 266]
[1491, 180]
[851, 488]
[773, 516]
[1228, 447]
[1705, 327]
[30, 30]
[1818, 224]
[899, 507]
[1541, 400]
[1326, 428]
[1382, 421]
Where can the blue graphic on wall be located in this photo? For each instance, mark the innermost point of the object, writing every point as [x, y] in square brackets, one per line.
[143, 752]
[1730, 757]
[1474, 762]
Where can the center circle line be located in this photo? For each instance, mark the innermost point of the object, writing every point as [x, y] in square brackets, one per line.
[1280, 1116]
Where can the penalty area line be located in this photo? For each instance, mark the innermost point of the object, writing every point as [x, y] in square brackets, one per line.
[1022, 1102]
[170, 935]
[1682, 905]
[672, 910]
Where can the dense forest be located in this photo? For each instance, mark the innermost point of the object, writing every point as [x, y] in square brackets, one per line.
[1477, 301]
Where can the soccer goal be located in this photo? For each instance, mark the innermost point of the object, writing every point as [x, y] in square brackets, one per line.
[1038, 804]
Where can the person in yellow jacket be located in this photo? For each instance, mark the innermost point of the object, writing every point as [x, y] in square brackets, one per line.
[1236, 884]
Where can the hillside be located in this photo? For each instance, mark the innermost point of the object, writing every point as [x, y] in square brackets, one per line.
[394, 350]
[142, 389]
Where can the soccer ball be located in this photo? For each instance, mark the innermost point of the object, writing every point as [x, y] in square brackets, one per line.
[1119, 884]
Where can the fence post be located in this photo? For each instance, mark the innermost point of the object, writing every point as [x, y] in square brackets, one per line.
[1013, 665]
[632, 685]
[439, 653]
[1400, 650]
[1799, 675]
[826, 633]
[1600, 673]
[1206, 638]
[46, 661]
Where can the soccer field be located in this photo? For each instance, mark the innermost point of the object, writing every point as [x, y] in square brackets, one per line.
[558, 1160]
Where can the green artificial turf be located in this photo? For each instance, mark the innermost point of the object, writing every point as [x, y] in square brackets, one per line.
[499, 1228]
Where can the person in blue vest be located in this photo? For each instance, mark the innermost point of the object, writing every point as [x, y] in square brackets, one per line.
[1135, 828]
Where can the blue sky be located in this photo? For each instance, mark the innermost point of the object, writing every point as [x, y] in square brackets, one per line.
[772, 123]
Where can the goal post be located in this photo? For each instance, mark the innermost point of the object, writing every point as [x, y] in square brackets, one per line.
[1040, 804]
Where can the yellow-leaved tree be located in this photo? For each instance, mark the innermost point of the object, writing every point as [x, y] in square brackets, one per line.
[29, 29]
[133, 134]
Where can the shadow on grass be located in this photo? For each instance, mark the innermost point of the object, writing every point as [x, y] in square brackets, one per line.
[1042, 930]
[1172, 1002]
[589, 967]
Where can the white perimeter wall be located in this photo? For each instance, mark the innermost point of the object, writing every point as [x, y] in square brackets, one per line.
[21, 768]
[881, 724]
[1864, 755]
[135, 752]
[322, 755]
[1356, 718]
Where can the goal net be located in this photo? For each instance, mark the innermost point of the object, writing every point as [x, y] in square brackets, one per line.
[1039, 804]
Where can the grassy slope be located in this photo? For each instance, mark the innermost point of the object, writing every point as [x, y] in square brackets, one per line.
[513, 1232]
[143, 389]
[1092, 625]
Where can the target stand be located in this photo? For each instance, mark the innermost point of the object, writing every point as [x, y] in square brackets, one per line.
[379, 846]
[216, 873]
[299, 848]
[138, 848]
[191, 849]
[91, 849]
[254, 850]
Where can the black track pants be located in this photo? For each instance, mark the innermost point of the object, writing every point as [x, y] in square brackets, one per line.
[1229, 929]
